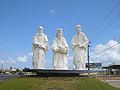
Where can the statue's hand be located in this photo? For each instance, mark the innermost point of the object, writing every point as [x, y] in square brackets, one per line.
[59, 45]
[64, 50]
[56, 50]
[36, 45]
[42, 46]
[80, 45]
[83, 47]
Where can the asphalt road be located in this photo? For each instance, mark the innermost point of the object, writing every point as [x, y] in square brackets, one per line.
[115, 83]
[5, 77]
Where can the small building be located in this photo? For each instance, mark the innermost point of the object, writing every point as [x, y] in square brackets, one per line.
[113, 68]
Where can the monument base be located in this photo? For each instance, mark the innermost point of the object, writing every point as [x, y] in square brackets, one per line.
[57, 73]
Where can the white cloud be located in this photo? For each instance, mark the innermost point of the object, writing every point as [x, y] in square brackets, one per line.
[109, 56]
[2, 61]
[11, 61]
[52, 11]
[30, 54]
[25, 57]
[22, 58]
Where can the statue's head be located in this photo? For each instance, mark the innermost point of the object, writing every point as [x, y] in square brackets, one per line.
[40, 29]
[78, 28]
[59, 33]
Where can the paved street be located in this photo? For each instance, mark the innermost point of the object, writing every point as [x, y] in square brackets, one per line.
[4, 77]
[115, 83]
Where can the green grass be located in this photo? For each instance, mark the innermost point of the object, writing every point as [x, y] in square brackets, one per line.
[37, 83]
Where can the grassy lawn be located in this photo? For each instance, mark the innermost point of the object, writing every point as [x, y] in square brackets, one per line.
[37, 83]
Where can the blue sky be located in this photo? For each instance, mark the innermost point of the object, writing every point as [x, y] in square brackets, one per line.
[19, 21]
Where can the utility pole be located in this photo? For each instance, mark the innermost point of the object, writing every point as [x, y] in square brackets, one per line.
[88, 57]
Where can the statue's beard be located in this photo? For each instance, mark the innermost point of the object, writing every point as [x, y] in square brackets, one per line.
[59, 37]
[78, 31]
[40, 33]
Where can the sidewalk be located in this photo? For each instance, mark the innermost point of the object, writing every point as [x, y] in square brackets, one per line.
[113, 80]
[115, 83]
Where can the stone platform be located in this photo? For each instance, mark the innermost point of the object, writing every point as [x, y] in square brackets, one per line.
[57, 73]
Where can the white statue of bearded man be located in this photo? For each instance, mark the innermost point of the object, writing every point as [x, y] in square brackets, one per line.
[60, 52]
[79, 45]
[39, 47]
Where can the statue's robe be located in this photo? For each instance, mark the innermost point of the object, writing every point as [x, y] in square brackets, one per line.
[39, 47]
[60, 52]
[79, 45]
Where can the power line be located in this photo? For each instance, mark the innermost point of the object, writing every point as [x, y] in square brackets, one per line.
[111, 22]
[110, 13]
[105, 49]
[114, 19]
[105, 19]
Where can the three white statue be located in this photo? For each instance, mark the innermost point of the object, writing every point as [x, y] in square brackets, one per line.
[39, 47]
[79, 45]
[60, 50]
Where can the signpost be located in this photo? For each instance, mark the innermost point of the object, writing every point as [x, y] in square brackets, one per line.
[93, 65]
